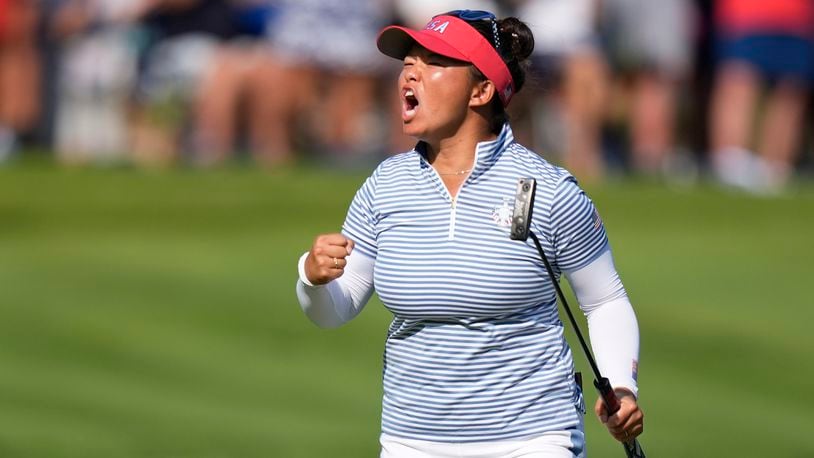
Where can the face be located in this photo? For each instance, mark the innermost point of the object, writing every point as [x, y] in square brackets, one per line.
[435, 94]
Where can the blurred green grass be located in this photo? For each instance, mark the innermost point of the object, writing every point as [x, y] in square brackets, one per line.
[152, 314]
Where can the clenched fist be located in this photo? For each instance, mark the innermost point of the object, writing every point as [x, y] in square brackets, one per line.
[326, 260]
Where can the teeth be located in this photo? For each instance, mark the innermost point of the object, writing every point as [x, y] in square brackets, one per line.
[409, 93]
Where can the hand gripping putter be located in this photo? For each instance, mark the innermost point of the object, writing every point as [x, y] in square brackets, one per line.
[521, 221]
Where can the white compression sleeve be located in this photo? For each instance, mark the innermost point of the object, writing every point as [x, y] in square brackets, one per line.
[612, 324]
[337, 302]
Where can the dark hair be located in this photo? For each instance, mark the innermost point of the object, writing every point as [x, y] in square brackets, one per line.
[516, 45]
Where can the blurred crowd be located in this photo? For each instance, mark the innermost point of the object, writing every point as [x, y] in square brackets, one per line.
[663, 88]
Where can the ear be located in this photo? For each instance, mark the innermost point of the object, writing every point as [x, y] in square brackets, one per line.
[482, 93]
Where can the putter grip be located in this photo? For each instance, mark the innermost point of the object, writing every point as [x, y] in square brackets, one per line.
[606, 391]
[632, 447]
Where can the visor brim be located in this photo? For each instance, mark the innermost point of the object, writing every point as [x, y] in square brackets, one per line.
[396, 42]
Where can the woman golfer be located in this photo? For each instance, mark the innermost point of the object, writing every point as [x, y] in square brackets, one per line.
[475, 360]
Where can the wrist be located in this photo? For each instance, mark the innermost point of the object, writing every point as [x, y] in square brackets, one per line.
[302, 273]
[622, 392]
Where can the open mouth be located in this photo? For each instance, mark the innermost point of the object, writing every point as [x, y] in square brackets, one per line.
[410, 104]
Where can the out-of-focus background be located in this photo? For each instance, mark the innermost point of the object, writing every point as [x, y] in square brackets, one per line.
[163, 164]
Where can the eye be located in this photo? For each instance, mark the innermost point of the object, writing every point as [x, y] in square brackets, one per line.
[436, 60]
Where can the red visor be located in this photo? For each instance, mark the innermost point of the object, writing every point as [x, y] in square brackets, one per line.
[453, 38]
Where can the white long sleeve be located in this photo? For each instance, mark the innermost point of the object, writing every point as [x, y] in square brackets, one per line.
[612, 324]
[339, 301]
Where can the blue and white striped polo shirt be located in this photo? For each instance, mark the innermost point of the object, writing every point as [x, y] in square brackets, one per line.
[475, 351]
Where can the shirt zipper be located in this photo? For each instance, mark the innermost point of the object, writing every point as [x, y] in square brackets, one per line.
[453, 201]
[453, 211]
[451, 234]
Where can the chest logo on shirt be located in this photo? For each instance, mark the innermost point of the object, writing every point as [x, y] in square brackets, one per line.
[502, 215]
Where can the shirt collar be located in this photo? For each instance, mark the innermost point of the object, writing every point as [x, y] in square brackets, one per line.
[487, 152]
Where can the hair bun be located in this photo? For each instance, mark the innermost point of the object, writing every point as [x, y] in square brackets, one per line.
[519, 36]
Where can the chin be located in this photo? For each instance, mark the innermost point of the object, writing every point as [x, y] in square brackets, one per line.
[412, 131]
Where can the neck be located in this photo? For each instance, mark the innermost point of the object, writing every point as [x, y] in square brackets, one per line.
[456, 154]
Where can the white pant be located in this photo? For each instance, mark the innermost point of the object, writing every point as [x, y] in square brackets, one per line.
[557, 444]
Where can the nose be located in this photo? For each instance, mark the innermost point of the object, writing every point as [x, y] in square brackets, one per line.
[410, 75]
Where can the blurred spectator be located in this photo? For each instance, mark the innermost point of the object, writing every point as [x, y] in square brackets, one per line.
[97, 70]
[183, 36]
[649, 45]
[19, 71]
[760, 44]
[327, 91]
[564, 111]
[232, 89]
[130, 70]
